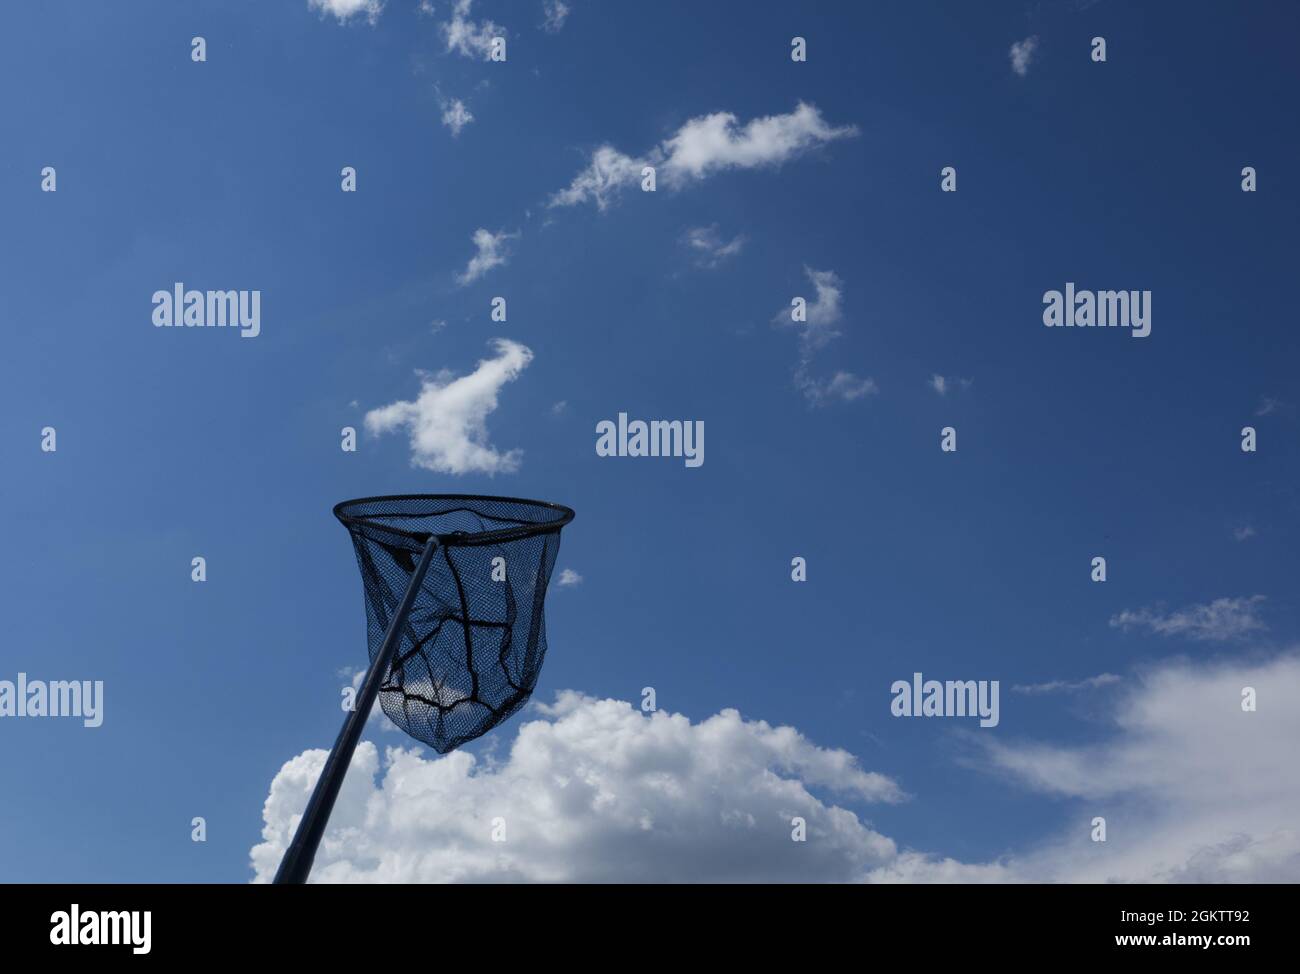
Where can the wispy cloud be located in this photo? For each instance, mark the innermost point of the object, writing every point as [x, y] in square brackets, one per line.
[492, 251]
[607, 174]
[468, 37]
[554, 12]
[455, 115]
[702, 147]
[709, 248]
[943, 385]
[345, 10]
[1200, 785]
[842, 385]
[1022, 54]
[1243, 532]
[1220, 620]
[822, 315]
[447, 422]
[568, 577]
[1269, 406]
[1068, 686]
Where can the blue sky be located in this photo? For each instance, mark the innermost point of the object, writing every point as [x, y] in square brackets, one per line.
[974, 565]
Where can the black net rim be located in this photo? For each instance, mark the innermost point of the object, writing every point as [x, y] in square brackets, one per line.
[559, 516]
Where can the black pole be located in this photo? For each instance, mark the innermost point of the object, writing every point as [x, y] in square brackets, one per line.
[296, 864]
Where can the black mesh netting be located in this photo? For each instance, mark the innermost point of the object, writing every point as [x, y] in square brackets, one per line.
[473, 646]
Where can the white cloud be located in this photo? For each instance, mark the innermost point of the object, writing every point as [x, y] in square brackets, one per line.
[842, 385]
[555, 12]
[455, 115]
[1220, 620]
[448, 421]
[1268, 406]
[816, 331]
[1022, 54]
[713, 142]
[355, 678]
[942, 385]
[593, 791]
[345, 10]
[708, 246]
[701, 147]
[822, 313]
[1068, 686]
[467, 37]
[568, 577]
[559, 408]
[1193, 789]
[1243, 532]
[492, 252]
[608, 172]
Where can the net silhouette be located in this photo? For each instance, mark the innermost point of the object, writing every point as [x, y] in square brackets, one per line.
[454, 588]
[473, 644]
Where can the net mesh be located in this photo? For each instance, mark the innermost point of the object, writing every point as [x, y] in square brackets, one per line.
[473, 646]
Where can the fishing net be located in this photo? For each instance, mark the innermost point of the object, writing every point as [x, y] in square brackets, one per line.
[473, 644]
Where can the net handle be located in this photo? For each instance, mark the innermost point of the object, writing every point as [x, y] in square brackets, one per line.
[298, 858]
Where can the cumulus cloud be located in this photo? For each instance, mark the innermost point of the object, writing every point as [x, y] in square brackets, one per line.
[345, 10]
[455, 115]
[593, 791]
[1220, 620]
[1022, 55]
[554, 12]
[492, 251]
[1194, 789]
[569, 577]
[709, 248]
[701, 147]
[447, 422]
[816, 331]
[468, 37]
[1068, 686]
